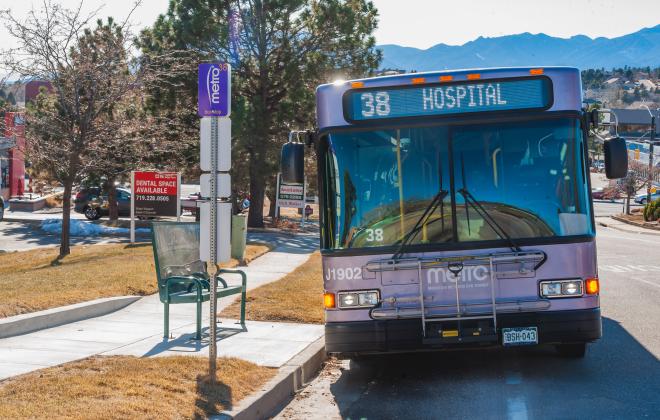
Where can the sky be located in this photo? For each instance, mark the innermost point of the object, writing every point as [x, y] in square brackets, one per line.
[424, 23]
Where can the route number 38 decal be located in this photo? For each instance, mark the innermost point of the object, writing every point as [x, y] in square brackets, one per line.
[374, 235]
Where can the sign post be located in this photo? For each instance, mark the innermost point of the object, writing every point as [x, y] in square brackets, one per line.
[178, 197]
[132, 207]
[214, 104]
[154, 194]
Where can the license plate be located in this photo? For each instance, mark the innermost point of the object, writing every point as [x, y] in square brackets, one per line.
[520, 336]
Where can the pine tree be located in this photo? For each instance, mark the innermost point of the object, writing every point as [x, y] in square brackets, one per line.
[280, 51]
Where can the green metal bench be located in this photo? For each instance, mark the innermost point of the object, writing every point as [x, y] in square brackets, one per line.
[182, 276]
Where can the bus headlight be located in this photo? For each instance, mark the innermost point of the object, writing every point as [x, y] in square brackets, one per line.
[358, 299]
[561, 288]
[367, 298]
[347, 300]
[572, 288]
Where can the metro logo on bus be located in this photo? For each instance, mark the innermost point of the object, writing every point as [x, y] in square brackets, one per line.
[447, 99]
[214, 88]
[471, 277]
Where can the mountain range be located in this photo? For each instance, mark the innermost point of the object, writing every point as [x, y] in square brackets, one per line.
[638, 49]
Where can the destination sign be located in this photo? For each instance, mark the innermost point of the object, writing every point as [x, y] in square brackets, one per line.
[446, 99]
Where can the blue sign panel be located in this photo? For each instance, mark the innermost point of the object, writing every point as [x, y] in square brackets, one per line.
[446, 99]
[214, 90]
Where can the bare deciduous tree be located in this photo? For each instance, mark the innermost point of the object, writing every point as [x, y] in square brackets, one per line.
[86, 124]
[634, 180]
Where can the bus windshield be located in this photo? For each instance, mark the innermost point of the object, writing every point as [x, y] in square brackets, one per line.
[526, 177]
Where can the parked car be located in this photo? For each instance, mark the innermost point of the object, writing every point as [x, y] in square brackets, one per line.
[93, 202]
[190, 204]
[2, 209]
[607, 193]
[641, 198]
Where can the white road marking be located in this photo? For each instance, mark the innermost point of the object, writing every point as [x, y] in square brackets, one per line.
[516, 408]
[648, 282]
[632, 268]
[628, 268]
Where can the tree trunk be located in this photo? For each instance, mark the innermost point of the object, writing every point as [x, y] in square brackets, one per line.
[271, 209]
[65, 248]
[628, 203]
[113, 210]
[257, 189]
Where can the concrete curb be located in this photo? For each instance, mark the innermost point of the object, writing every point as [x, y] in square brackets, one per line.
[278, 391]
[26, 323]
[639, 225]
[613, 226]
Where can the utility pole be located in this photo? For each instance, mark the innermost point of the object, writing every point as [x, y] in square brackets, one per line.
[649, 182]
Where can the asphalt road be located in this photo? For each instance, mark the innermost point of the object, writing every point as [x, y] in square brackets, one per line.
[619, 377]
[604, 208]
[21, 236]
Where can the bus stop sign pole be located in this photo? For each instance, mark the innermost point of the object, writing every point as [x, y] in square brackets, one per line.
[214, 101]
[213, 348]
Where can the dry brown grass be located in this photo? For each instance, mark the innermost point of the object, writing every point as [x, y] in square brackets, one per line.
[54, 200]
[123, 387]
[298, 297]
[33, 280]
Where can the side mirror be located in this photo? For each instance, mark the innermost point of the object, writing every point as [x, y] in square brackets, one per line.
[616, 158]
[292, 163]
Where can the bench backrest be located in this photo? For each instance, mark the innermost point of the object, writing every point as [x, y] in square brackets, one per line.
[176, 252]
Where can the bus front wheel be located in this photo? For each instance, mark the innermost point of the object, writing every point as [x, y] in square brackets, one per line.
[574, 350]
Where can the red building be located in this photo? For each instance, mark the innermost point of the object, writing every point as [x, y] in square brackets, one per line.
[33, 88]
[12, 158]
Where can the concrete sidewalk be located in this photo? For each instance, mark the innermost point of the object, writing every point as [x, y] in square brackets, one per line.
[138, 329]
[625, 227]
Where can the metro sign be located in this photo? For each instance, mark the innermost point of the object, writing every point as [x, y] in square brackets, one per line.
[214, 90]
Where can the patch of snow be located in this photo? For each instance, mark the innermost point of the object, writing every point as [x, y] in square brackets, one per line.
[85, 228]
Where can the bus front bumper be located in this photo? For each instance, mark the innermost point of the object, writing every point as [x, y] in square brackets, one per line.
[378, 336]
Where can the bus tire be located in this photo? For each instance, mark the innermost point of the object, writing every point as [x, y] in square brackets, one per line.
[573, 350]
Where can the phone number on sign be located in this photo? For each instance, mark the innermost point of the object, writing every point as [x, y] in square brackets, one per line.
[152, 197]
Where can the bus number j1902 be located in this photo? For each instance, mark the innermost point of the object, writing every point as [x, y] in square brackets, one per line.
[349, 273]
[375, 104]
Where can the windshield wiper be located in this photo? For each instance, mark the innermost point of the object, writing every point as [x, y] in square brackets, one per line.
[479, 208]
[433, 205]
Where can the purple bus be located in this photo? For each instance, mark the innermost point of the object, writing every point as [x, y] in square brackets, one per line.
[455, 211]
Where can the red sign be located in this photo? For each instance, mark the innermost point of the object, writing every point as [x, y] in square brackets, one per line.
[155, 193]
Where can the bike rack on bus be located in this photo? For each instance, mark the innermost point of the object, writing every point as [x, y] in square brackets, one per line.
[500, 265]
